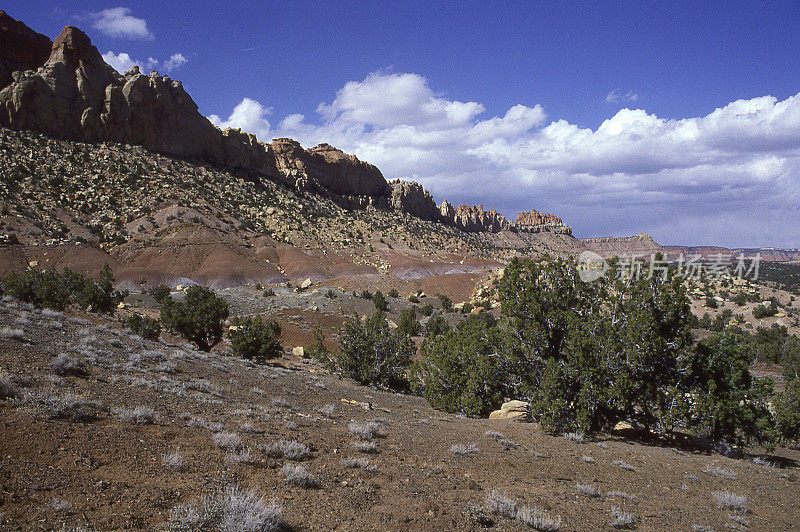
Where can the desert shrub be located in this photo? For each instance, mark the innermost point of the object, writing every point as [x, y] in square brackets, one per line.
[255, 340]
[466, 308]
[317, 349]
[790, 359]
[590, 354]
[159, 292]
[101, 296]
[761, 312]
[408, 324]
[269, 292]
[229, 509]
[366, 294]
[49, 289]
[720, 399]
[460, 371]
[787, 411]
[711, 302]
[298, 475]
[413, 299]
[372, 354]
[199, 318]
[447, 303]
[393, 293]
[740, 299]
[436, 326]
[147, 328]
[45, 289]
[426, 310]
[380, 302]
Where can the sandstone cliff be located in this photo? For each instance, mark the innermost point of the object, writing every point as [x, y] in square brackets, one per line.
[75, 95]
[327, 167]
[65, 90]
[473, 219]
[411, 198]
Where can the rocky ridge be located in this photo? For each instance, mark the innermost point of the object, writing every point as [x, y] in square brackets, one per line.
[65, 90]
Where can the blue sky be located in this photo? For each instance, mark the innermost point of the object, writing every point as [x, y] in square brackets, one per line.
[620, 117]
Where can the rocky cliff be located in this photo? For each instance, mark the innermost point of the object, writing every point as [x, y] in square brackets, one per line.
[65, 90]
[411, 198]
[75, 95]
[327, 167]
[21, 48]
[472, 218]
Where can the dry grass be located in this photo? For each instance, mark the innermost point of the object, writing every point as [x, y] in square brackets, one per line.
[289, 449]
[729, 500]
[461, 449]
[141, 415]
[229, 510]
[361, 462]
[366, 430]
[538, 519]
[498, 503]
[588, 490]
[622, 519]
[227, 440]
[367, 447]
[173, 459]
[298, 475]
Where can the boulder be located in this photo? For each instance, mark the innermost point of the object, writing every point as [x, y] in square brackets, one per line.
[298, 351]
[514, 410]
[305, 284]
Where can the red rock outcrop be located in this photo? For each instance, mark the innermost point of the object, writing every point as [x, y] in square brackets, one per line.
[21, 48]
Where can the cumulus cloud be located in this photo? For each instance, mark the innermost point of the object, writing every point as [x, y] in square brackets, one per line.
[122, 62]
[731, 177]
[617, 95]
[174, 61]
[117, 22]
[249, 116]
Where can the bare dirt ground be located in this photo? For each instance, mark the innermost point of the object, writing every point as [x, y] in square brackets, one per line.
[76, 452]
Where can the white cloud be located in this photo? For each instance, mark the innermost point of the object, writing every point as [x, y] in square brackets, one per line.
[731, 177]
[174, 61]
[617, 95]
[118, 22]
[122, 62]
[249, 116]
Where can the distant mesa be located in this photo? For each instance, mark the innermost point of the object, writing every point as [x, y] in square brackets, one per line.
[65, 90]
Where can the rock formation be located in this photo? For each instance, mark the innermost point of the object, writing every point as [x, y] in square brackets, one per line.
[21, 48]
[65, 90]
[75, 95]
[534, 218]
[411, 198]
[329, 168]
[473, 219]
